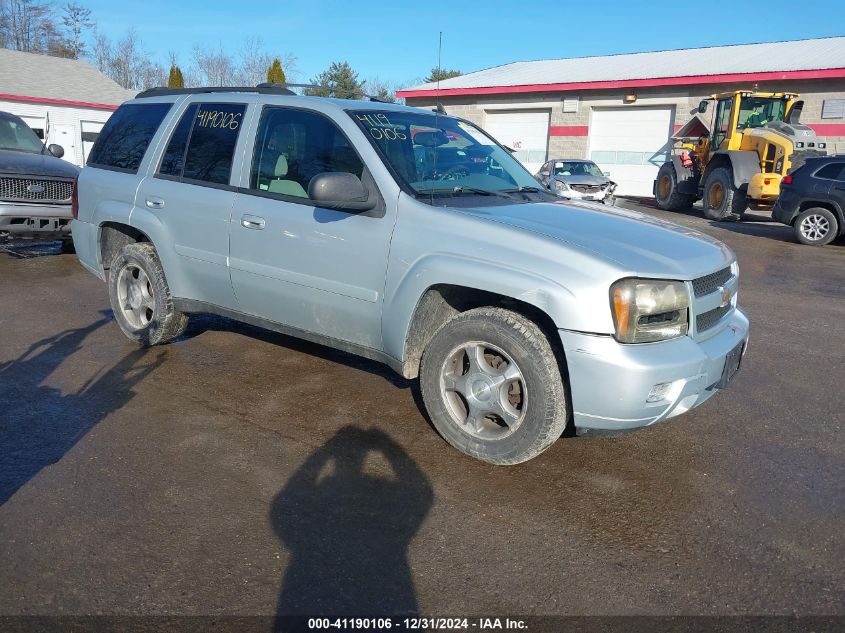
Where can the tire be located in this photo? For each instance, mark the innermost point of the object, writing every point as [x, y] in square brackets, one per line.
[67, 247]
[722, 201]
[816, 226]
[521, 385]
[666, 190]
[140, 297]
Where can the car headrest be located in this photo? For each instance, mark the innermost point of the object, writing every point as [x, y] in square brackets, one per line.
[431, 139]
[281, 167]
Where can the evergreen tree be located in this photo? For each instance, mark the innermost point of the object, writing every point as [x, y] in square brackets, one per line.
[175, 80]
[338, 81]
[275, 74]
[439, 74]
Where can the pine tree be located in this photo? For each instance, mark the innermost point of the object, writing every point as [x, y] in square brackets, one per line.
[175, 80]
[338, 81]
[275, 74]
[439, 74]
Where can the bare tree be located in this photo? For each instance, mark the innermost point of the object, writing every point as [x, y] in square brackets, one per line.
[213, 68]
[26, 25]
[76, 20]
[127, 63]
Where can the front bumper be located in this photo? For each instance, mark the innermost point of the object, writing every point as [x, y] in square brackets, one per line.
[573, 194]
[45, 221]
[610, 381]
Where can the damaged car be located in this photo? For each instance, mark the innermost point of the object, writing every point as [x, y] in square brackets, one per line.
[577, 179]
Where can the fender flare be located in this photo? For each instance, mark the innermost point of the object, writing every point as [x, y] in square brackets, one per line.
[744, 165]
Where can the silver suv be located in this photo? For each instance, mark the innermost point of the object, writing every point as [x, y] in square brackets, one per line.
[413, 238]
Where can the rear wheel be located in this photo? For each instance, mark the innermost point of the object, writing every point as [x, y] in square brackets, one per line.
[722, 200]
[492, 386]
[140, 297]
[816, 227]
[666, 192]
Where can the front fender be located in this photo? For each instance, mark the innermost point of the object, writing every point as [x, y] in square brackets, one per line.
[744, 165]
[548, 295]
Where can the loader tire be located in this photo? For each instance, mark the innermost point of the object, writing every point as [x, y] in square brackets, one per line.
[723, 202]
[666, 190]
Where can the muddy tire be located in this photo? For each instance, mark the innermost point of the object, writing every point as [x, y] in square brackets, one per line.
[492, 386]
[816, 226]
[666, 190]
[140, 297]
[722, 200]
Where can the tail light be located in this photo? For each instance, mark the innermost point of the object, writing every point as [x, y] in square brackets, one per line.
[787, 180]
[74, 200]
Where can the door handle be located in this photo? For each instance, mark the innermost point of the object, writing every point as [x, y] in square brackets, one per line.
[252, 222]
[154, 202]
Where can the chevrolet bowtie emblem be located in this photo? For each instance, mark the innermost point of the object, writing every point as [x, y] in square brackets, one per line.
[726, 296]
[35, 188]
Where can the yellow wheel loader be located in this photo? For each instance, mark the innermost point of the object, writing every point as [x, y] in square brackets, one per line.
[737, 161]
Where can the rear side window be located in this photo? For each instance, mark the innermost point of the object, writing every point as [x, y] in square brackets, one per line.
[125, 137]
[174, 156]
[831, 172]
[212, 140]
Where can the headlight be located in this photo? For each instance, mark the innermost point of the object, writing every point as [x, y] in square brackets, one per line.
[560, 185]
[648, 310]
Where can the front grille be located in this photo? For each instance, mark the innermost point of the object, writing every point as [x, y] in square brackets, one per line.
[710, 283]
[710, 318]
[36, 190]
[586, 188]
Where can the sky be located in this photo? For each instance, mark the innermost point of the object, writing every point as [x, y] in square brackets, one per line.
[397, 41]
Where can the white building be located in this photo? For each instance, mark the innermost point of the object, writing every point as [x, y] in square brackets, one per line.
[66, 101]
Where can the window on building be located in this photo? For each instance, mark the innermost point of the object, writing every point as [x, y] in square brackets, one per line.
[833, 109]
[293, 146]
[212, 141]
[125, 137]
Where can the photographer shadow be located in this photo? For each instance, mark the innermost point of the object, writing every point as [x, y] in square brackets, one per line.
[348, 526]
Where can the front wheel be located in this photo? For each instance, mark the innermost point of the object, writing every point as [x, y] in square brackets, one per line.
[816, 227]
[140, 297]
[722, 200]
[492, 386]
[666, 190]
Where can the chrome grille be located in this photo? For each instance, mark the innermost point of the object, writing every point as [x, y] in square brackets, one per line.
[710, 283]
[36, 190]
[710, 318]
[586, 188]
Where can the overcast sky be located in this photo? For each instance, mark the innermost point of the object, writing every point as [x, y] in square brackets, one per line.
[397, 40]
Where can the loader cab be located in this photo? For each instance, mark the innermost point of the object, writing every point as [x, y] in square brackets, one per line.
[739, 111]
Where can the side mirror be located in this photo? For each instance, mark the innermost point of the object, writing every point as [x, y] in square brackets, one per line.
[606, 173]
[340, 190]
[56, 150]
[703, 105]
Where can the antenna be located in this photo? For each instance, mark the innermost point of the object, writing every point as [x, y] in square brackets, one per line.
[439, 107]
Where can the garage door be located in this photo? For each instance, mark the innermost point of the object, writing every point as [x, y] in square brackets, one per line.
[525, 131]
[631, 143]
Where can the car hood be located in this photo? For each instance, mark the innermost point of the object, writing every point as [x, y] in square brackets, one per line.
[583, 179]
[638, 243]
[25, 163]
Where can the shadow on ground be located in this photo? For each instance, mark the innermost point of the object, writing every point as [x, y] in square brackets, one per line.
[40, 424]
[347, 516]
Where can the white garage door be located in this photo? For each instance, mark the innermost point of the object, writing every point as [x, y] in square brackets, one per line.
[631, 143]
[525, 131]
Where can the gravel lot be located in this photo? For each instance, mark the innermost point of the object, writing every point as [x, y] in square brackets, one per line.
[239, 471]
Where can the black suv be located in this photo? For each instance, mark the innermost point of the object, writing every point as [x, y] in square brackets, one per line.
[812, 200]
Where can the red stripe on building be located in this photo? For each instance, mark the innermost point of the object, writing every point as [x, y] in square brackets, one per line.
[64, 102]
[678, 126]
[828, 129]
[569, 130]
[827, 73]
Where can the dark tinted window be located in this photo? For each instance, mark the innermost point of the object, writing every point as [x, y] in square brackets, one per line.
[126, 135]
[832, 171]
[293, 146]
[174, 156]
[212, 143]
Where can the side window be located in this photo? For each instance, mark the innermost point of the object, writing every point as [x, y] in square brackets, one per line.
[293, 146]
[211, 145]
[174, 156]
[833, 171]
[126, 136]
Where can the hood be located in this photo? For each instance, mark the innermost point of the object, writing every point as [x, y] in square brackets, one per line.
[27, 164]
[583, 179]
[638, 243]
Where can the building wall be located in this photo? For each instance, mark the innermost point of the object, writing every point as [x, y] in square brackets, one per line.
[569, 131]
[61, 124]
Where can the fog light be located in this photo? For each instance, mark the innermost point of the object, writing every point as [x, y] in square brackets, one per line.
[658, 392]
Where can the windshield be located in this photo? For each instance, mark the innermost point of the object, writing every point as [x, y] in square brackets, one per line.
[757, 111]
[440, 154]
[16, 135]
[576, 168]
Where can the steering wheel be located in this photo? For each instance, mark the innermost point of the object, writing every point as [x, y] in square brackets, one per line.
[453, 173]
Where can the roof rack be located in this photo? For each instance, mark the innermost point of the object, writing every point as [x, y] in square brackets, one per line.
[262, 88]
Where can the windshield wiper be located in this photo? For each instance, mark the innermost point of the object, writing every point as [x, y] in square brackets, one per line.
[456, 191]
[523, 190]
